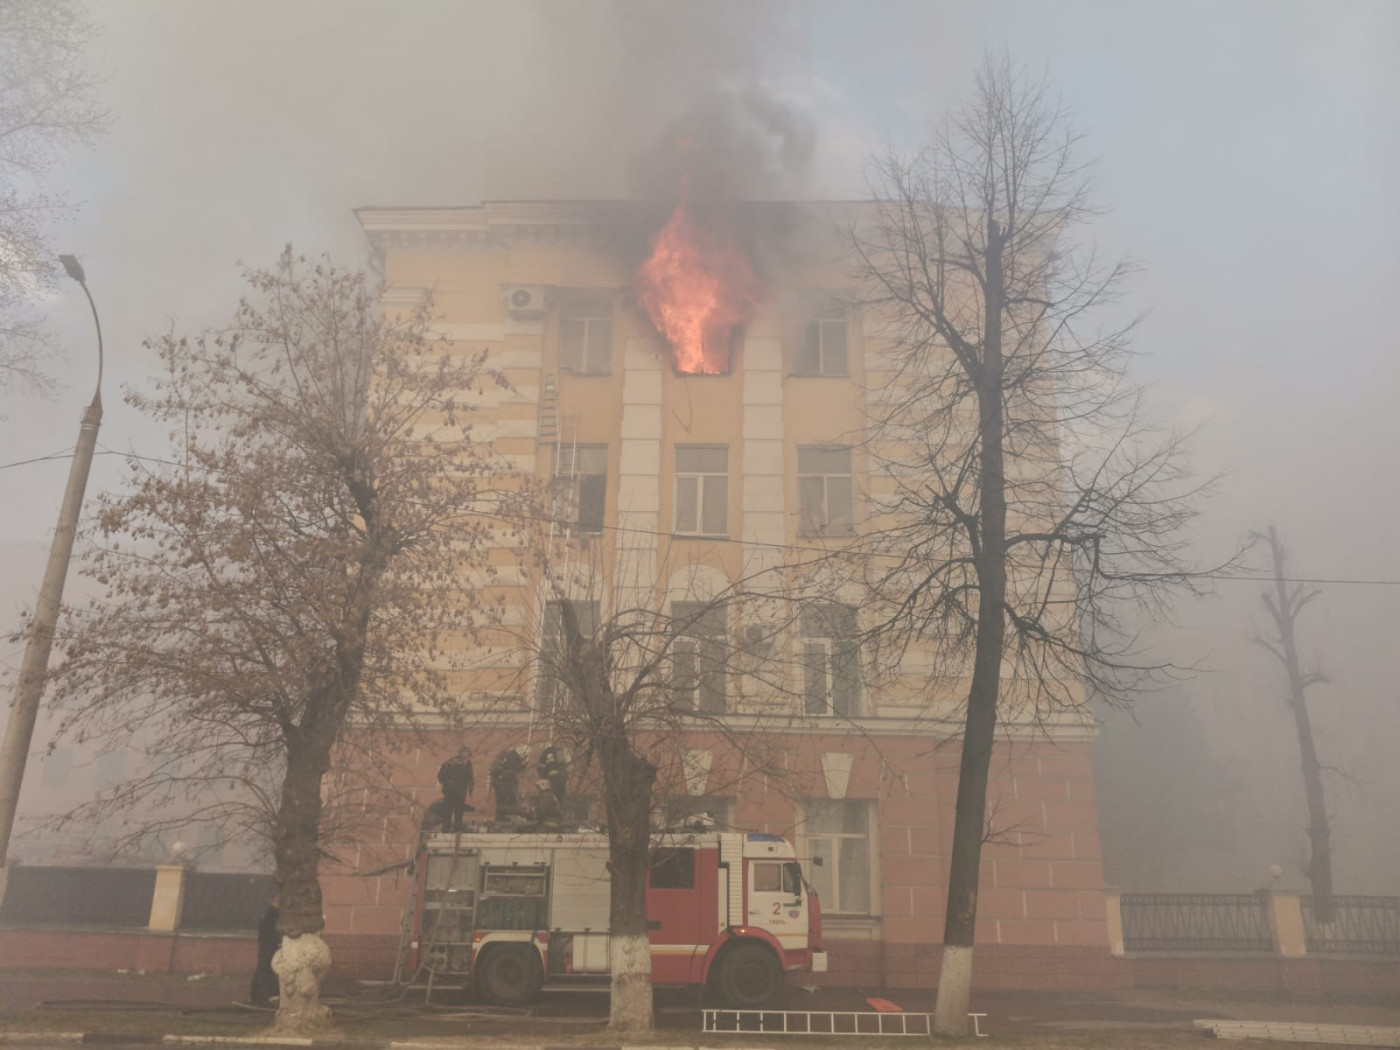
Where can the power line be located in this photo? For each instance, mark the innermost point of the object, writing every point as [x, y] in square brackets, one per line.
[767, 545]
[1239, 577]
[63, 453]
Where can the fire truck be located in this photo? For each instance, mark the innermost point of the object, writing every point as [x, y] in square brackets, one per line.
[508, 913]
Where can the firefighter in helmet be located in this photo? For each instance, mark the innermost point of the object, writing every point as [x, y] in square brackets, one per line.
[553, 769]
[505, 781]
[549, 815]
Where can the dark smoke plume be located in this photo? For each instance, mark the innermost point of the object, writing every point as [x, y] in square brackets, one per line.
[733, 145]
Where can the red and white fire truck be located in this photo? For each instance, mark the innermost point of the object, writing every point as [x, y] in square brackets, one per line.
[509, 913]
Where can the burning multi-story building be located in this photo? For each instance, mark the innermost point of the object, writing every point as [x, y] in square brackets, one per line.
[697, 382]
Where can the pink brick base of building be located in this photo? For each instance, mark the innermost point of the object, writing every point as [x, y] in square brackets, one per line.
[1042, 883]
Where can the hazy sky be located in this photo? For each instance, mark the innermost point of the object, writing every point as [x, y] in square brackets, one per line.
[1250, 156]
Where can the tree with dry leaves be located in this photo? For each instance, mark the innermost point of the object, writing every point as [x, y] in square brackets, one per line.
[1285, 605]
[285, 591]
[1030, 509]
[46, 108]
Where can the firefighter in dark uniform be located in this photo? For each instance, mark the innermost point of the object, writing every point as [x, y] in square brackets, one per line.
[505, 782]
[457, 780]
[548, 813]
[554, 770]
[266, 986]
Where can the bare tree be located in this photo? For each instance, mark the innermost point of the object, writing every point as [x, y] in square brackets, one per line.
[1030, 509]
[281, 592]
[1285, 606]
[46, 107]
[628, 676]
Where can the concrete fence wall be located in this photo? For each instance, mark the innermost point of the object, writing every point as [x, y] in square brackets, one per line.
[162, 899]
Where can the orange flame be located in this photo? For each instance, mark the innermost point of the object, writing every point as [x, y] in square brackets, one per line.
[696, 286]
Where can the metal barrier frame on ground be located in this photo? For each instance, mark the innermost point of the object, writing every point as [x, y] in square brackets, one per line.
[821, 1022]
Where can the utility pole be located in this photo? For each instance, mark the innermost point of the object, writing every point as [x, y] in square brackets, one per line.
[19, 732]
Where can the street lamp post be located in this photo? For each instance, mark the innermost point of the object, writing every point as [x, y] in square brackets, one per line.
[19, 733]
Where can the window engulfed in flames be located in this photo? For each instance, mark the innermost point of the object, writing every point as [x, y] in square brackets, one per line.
[697, 287]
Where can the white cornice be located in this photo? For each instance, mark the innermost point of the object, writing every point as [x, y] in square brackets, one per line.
[1065, 729]
[498, 224]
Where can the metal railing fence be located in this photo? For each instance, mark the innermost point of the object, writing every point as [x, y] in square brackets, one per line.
[1196, 922]
[1360, 925]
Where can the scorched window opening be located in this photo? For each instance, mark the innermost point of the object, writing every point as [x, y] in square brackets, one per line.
[721, 346]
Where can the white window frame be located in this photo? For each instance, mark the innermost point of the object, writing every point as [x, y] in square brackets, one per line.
[699, 641]
[593, 311]
[806, 838]
[826, 368]
[698, 477]
[831, 644]
[806, 527]
[822, 315]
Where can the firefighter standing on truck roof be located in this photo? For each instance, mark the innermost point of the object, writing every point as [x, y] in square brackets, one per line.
[554, 770]
[505, 782]
[457, 780]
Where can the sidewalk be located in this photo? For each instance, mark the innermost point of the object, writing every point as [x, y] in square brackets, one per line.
[65, 1006]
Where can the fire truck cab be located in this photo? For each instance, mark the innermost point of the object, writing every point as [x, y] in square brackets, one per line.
[509, 913]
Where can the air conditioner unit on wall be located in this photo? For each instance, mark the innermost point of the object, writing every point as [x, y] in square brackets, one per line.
[525, 300]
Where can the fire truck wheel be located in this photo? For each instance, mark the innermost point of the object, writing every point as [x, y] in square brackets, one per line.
[750, 978]
[508, 975]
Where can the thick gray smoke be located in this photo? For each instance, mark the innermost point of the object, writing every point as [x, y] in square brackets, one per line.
[733, 145]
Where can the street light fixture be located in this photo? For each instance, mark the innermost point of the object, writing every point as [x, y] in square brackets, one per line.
[19, 732]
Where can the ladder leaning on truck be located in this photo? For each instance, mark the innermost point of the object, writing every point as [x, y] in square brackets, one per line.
[509, 913]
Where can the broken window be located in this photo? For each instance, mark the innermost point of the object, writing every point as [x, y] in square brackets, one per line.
[582, 477]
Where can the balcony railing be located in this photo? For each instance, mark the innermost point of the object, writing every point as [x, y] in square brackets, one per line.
[1361, 926]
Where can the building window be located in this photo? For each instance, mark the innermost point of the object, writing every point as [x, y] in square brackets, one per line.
[698, 657]
[830, 661]
[554, 650]
[825, 491]
[702, 490]
[57, 764]
[582, 477]
[585, 332]
[111, 765]
[822, 346]
[836, 840]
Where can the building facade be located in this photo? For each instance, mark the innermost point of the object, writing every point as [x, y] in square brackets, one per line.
[682, 478]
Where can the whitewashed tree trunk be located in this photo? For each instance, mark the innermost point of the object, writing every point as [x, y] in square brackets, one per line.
[301, 964]
[954, 991]
[629, 955]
